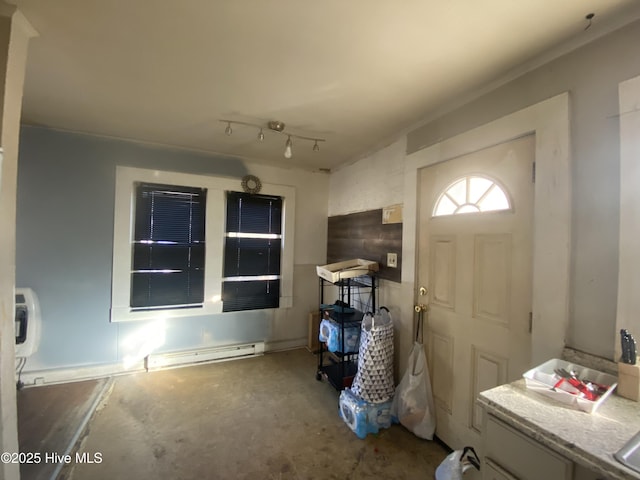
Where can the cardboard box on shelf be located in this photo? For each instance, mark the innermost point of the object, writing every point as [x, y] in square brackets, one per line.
[334, 272]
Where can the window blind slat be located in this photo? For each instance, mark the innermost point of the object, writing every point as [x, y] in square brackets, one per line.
[252, 256]
[246, 257]
[168, 252]
[150, 257]
[166, 289]
[251, 295]
[254, 213]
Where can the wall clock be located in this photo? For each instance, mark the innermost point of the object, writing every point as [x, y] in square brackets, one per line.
[251, 184]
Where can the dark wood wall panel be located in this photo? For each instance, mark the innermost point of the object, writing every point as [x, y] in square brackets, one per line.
[363, 235]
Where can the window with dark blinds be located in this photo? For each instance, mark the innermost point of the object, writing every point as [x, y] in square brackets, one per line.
[253, 247]
[168, 252]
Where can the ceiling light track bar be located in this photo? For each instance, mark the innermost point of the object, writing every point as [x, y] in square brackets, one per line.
[276, 127]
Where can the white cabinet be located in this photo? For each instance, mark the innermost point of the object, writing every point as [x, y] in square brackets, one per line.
[509, 454]
[582, 473]
[495, 472]
[524, 436]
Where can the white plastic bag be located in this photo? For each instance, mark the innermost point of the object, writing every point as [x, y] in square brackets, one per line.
[457, 463]
[413, 403]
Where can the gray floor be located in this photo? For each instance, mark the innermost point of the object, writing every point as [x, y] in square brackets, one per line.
[264, 417]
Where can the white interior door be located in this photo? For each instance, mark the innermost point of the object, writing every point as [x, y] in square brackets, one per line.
[475, 262]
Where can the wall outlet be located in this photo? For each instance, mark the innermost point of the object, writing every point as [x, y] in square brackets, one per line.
[392, 260]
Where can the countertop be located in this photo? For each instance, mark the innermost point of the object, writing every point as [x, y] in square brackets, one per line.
[589, 439]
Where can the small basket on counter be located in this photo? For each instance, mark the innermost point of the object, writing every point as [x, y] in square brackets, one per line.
[571, 384]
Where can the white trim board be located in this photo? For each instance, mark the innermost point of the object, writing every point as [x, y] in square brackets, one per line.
[160, 361]
[629, 256]
[549, 121]
[76, 374]
[281, 345]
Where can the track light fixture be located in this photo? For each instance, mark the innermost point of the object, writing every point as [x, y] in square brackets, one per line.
[287, 148]
[276, 127]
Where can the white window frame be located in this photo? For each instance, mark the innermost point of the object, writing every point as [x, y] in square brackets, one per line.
[123, 233]
[467, 179]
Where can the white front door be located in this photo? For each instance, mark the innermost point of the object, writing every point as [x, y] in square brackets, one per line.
[474, 259]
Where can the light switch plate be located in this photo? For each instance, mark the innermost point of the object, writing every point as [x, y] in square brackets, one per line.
[392, 260]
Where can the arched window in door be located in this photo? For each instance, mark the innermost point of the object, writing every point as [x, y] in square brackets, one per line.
[472, 194]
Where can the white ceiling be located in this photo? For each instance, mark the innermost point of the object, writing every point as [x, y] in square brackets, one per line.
[358, 73]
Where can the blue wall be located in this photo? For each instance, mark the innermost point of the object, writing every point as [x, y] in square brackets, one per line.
[66, 185]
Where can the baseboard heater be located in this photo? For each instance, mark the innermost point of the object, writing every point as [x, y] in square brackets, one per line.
[190, 357]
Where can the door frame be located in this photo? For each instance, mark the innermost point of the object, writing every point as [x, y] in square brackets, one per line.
[549, 121]
[629, 257]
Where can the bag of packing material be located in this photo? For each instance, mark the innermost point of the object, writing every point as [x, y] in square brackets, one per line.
[331, 333]
[363, 417]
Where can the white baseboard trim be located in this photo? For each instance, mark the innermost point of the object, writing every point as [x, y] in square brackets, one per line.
[77, 374]
[208, 355]
[153, 362]
[280, 345]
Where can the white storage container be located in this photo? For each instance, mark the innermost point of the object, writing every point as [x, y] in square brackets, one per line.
[542, 379]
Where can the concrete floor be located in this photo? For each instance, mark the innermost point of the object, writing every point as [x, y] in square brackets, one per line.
[264, 417]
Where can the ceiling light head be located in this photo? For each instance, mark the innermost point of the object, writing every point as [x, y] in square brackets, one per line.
[228, 130]
[261, 135]
[316, 147]
[276, 125]
[287, 148]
